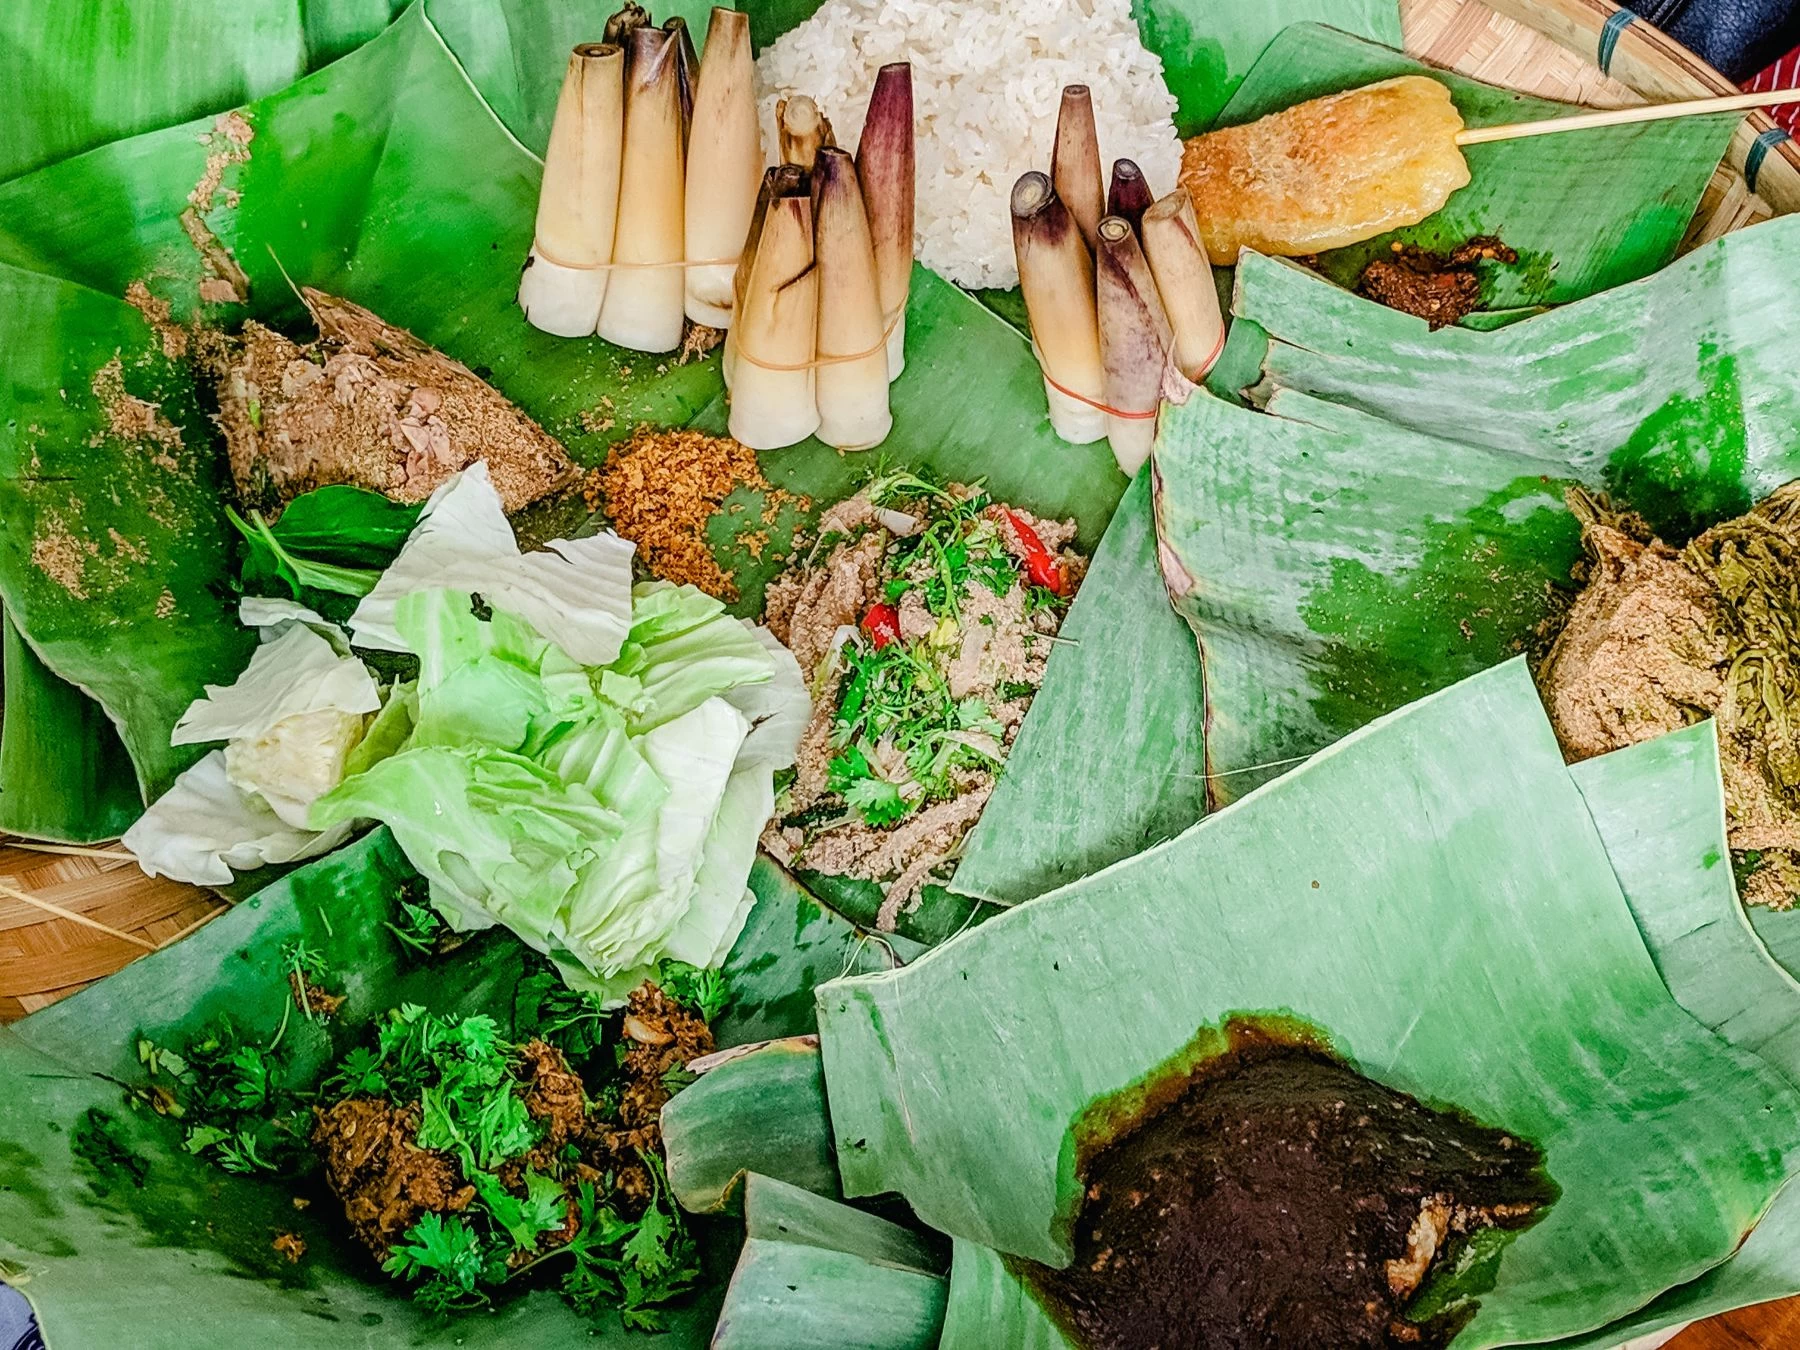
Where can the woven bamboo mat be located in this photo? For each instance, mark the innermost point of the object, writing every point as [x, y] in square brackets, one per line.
[119, 915]
[1473, 40]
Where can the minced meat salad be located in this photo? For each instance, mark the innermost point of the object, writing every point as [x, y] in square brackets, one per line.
[924, 619]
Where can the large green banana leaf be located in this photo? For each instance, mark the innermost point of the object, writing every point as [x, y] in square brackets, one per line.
[817, 1275]
[1432, 894]
[1397, 521]
[153, 1248]
[1659, 808]
[1585, 212]
[386, 178]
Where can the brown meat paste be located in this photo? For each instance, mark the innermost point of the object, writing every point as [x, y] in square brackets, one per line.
[1283, 1201]
[1436, 287]
[1661, 638]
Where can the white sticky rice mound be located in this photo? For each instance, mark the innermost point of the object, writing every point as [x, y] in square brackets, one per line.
[987, 82]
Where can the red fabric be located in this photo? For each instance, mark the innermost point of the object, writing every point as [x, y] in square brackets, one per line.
[1784, 74]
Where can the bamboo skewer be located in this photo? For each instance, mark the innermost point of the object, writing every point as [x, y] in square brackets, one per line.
[1618, 117]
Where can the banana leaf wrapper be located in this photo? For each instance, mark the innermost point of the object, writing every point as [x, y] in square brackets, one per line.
[1659, 808]
[386, 178]
[116, 1234]
[1476, 993]
[817, 1275]
[1396, 522]
[1586, 212]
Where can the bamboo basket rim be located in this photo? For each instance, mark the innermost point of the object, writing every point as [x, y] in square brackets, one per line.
[120, 915]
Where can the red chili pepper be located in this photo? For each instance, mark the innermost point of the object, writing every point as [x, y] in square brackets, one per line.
[882, 624]
[1043, 569]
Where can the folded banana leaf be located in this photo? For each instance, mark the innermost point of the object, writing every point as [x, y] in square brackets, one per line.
[118, 1236]
[1397, 522]
[1585, 212]
[385, 178]
[762, 1113]
[1660, 808]
[1113, 759]
[1511, 983]
[816, 1275]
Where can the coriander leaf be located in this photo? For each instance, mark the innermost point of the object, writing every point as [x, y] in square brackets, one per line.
[879, 802]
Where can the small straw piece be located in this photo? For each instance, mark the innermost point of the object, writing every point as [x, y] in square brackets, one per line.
[687, 71]
[803, 129]
[1075, 161]
[852, 395]
[562, 293]
[885, 167]
[1056, 277]
[1134, 341]
[773, 392]
[724, 165]
[1184, 280]
[644, 305]
[12, 892]
[1129, 196]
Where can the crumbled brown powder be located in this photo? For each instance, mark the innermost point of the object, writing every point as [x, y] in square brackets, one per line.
[172, 336]
[165, 603]
[132, 419]
[372, 405]
[228, 145]
[126, 547]
[62, 556]
[661, 487]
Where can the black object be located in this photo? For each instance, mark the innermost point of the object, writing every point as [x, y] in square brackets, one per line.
[1738, 38]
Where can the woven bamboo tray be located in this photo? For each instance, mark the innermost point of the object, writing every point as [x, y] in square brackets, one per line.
[103, 913]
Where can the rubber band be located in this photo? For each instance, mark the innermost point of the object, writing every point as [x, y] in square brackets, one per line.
[1610, 33]
[1168, 367]
[549, 257]
[818, 361]
[1759, 151]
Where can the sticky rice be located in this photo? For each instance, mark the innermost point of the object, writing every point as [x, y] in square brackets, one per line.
[987, 82]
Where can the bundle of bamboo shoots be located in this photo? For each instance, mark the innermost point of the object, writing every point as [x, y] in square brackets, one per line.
[1117, 288]
[649, 184]
[819, 303]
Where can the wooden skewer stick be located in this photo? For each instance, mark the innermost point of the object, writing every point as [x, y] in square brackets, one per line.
[1618, 117]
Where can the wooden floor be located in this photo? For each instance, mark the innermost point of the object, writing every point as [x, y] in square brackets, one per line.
[1768, 1326]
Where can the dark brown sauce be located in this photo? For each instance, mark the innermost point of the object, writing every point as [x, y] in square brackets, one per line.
[1440, 288]
[1274, 1203]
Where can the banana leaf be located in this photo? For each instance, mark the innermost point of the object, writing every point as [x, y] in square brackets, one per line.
[1660, 808]
[1397, 522]
[119, 1236]
[78, 76]
[1511, 983]
[1585, 212]
[386, 178]
[1113, 759]
[763, 1112]
[815, 1275]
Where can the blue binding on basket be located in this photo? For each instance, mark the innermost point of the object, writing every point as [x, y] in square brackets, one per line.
[1609, 38]
[1759, 151]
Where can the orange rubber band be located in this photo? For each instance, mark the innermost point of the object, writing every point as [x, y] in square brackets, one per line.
[549, 257]
[818, 361]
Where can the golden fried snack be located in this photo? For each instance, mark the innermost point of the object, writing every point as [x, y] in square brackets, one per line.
[1328, 172]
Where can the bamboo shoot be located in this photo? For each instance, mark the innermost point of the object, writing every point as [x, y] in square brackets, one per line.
[803, 130]
[565, 280]
[1134, 342]
[724, 166]
[1129, 196]
[885, 166]
[644, 305]
[852, 395]
[1184, 280]
[1056, 278]
[773, 392]
[1075, 161]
